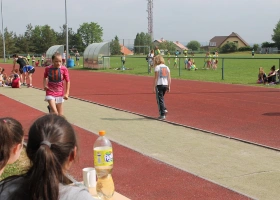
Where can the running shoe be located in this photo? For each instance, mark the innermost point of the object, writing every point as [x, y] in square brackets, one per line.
[162, 117]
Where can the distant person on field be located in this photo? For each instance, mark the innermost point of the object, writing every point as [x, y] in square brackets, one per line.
[22, 61]
[33, 60]
[53, 84]
[42, 60]
[261, 76]
[77, 55]
[162, 83]
[64, 58]
[151, 60]
[16, 83]
[51, 149]
[28, 71]
[157, 51]
[209, 60]
[176, 62]
[168, 57]
[123, 59]
[11, 142]
[28, 57]
[253, 53]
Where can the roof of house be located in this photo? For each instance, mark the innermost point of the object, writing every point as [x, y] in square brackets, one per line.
[125, 50]
[233, 34]
[181, 46]
[178, 44]
[218, 40]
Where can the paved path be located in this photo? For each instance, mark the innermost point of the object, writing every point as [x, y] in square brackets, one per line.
[247, 169]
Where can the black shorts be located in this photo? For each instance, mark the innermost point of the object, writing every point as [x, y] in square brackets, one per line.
[77, 59]
[31, 71]
[20, 69]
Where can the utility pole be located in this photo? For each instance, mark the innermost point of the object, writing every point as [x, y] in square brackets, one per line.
[150, 19]
[3, 34]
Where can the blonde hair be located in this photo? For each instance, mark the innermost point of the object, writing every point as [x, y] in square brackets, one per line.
[159, 60]
[261, 71]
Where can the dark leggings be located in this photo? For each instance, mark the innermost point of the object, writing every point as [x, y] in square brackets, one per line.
[160, 92]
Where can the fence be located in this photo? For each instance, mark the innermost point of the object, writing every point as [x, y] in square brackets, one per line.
[236, 70]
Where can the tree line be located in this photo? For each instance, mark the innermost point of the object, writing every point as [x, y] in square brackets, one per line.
[37, 39]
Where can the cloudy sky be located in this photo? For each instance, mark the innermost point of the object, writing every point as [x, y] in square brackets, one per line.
[175, 20]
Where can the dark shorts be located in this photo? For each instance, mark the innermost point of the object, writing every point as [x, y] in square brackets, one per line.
[20, 69]
[77, 59]
[31, 71]
[63, 60]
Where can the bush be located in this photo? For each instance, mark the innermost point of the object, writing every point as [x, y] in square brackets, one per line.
[247, 48]
[229, 47]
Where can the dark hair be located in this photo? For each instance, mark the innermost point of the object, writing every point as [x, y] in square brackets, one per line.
[51, 140]
[15, 56]
[56, 54]
[273, 68]
[11, 133]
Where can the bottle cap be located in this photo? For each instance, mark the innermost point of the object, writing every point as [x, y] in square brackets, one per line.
[102, 133]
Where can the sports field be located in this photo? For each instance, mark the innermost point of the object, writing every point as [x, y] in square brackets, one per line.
[209, 166]
[239, 68]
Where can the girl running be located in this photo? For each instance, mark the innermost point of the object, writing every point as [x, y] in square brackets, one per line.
[54, 77]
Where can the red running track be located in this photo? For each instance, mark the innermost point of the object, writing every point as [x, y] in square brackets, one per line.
[243, 112]
[135, 175]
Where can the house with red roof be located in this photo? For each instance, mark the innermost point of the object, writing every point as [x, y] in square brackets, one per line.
[180, 47]
[219, 41]
[125, 50]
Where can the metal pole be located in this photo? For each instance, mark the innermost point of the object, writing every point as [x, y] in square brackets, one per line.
[179, 66]
[4, 50]
[223, 69]
[66, 27]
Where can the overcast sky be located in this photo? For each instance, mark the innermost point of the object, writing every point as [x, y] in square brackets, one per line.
[175, 20]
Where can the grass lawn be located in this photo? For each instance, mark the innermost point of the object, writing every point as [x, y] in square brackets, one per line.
[239, 67]
[18, 167]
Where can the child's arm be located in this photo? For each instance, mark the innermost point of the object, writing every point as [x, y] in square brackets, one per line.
[45, 82]
[67, 90]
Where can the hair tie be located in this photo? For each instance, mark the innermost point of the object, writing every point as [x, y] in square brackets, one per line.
[46, 143]
[4, 121]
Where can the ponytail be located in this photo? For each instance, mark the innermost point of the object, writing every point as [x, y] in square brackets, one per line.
[45, 174]
[51, 141]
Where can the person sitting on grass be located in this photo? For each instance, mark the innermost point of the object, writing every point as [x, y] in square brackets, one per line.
[11, 142]
[261, 76]
[16, 80]
[51, 149]
[271, 77]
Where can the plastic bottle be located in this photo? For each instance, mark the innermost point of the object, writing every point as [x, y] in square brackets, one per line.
[103, 163]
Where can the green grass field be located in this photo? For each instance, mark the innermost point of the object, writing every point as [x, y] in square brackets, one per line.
[239, 68]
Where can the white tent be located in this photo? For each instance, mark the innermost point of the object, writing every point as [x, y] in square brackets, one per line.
[52, 50]
[93, 55]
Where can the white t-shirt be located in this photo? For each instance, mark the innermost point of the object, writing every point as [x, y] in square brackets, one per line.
[163, 74]
[63, 55]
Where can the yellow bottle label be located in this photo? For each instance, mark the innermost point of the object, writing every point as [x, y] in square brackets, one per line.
[103, 156]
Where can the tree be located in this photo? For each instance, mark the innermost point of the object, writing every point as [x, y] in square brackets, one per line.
[142, 43]
[229, 47]
[90, 33]
[255, 47]
[267, 45]
[276, 35]
[194, 45]
[167, 45]
[48, 38]
[115, 46]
